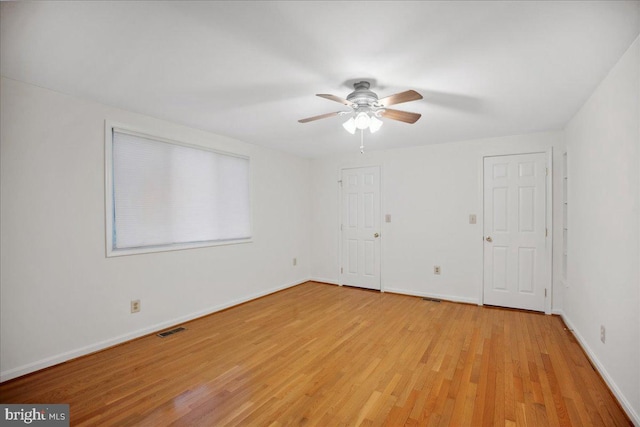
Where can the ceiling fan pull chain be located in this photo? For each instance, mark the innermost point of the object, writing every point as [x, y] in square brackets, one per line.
[361, 141]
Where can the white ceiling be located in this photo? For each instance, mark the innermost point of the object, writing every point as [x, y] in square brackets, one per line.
[249, 70]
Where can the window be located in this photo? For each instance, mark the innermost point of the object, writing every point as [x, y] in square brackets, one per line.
[164, 195]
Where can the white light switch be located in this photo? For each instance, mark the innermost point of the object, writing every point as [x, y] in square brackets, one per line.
[387, 218]
[472, 219]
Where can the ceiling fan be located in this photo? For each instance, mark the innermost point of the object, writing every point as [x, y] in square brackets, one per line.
[367, 108]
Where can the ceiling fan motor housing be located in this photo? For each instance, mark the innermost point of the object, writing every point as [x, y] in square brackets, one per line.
[362, 96]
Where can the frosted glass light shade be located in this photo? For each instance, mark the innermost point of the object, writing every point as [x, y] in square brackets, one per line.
[350, 126]
[362, 120]
[375, 124]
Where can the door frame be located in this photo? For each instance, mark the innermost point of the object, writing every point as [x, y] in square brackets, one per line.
[548, 219]
[339, 232]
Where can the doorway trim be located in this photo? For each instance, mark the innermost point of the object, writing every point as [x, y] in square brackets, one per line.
[548, 219]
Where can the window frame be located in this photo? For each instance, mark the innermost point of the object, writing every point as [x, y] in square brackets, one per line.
[111, 251]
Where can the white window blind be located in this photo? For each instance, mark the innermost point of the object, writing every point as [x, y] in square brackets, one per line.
[169, 194]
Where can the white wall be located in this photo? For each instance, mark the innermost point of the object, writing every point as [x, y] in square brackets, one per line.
[603, 145]
[429, 192]
[60, 296]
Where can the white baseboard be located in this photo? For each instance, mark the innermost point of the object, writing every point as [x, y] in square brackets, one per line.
[323, 280]
[631, 413]
[444, 297]
[92, 348]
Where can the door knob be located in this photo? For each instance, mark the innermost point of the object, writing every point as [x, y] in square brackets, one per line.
[376, 235]
[489, 239]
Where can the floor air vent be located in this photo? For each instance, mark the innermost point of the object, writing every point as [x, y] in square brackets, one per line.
[431, 299]
[171, 332]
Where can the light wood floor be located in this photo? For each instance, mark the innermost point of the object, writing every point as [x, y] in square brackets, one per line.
[325, 355]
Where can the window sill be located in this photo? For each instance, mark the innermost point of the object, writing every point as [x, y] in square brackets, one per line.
[174, 247]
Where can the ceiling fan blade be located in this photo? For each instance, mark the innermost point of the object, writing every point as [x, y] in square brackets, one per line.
[403, 116]
[321, 116]
[399, 98]
[336, 99]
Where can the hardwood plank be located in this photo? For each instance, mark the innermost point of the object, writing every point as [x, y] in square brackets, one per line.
[323, 355]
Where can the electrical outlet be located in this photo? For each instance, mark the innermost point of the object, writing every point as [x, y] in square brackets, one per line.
[295, 261]
[135, 306]
[472, 219]
[602, 333]
[387, 218]
[436, 269]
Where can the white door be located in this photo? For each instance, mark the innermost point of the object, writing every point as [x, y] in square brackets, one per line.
[361, 227]
[515, 258]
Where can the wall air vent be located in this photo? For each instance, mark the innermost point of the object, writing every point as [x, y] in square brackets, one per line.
[171, 332]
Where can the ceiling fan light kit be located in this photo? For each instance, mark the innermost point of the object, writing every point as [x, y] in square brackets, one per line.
[367, 108]
[362, 121]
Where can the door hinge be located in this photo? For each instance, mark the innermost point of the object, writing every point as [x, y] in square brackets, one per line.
[342, 271]
[545, 292]
[340, 227]
[546, 171]
[546, 232]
